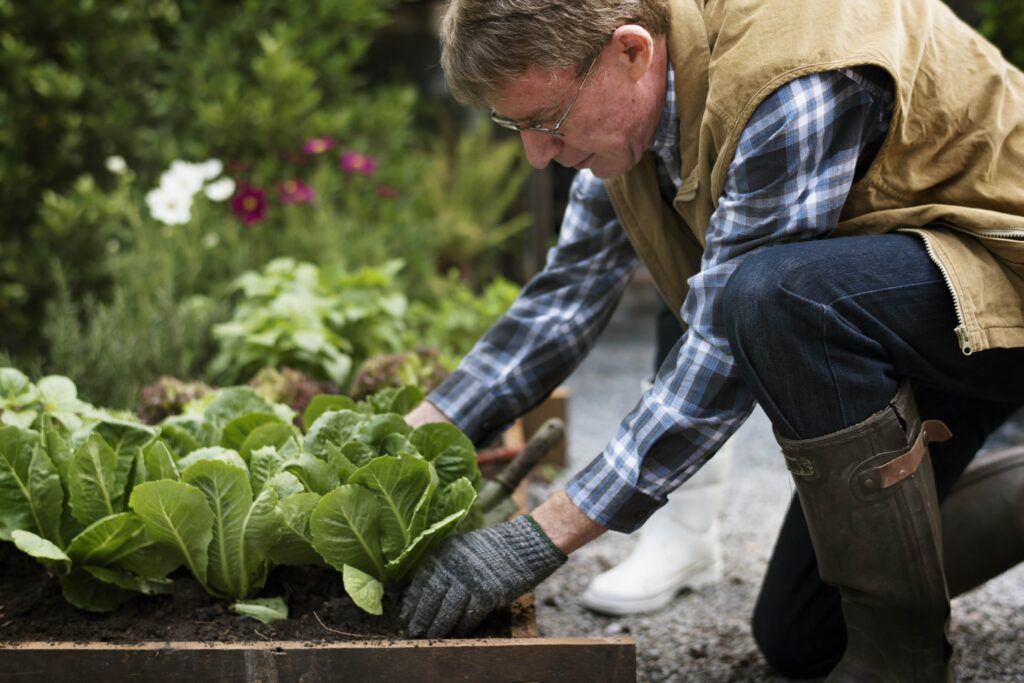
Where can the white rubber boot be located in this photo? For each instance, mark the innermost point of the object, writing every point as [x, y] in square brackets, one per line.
[678, 548]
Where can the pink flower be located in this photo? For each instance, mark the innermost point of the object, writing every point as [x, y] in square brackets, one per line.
[249, 204]
[388, 191]
[354, 162]
[318, 145]
[295, 192]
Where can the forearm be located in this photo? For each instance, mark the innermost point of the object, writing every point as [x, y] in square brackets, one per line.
[565, 524]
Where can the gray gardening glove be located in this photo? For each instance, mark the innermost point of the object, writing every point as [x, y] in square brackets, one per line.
[468, 576]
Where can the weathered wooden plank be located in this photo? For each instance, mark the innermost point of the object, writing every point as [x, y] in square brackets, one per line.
[590, 660]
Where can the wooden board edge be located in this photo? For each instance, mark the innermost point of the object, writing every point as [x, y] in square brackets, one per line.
[283, 645]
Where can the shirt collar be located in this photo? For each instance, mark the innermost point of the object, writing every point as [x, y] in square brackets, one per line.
[666, 136]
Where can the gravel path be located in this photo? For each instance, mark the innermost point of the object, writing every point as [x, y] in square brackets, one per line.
[705, 636]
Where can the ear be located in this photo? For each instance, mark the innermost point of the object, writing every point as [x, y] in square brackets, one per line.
[633, 47]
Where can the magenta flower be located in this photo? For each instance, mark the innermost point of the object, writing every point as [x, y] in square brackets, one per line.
[354, 162]
[295, 192]
[318, 145]
[249, 204]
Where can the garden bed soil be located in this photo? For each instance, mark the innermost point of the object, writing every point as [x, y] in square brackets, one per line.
[33, 609]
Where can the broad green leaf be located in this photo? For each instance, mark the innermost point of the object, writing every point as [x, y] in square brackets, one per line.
[400, 484]
[376, 428]
[37, 546]
[334, 427]
[31, 496]
[285, 484]
[239, 429]
[264, 463]
[450, 451]
[235, 402]
[397, 444]
[92, 491]
[108, 540]
[120, 541]
[366, 591]
[159, 462]
[275, 434]
[346, 529]
[177, 516]
[457, 502]
[405, 399]
[243, 530]
[132, 582]
[267, 610]
[126, 439]
[357, 453]
[85, 591]
[325, 403]
[295, 547]
[179, 438]
[341, 464]
[315, 474]
[212, 453]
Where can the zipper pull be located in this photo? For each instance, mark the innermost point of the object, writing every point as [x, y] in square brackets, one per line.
[965, 344]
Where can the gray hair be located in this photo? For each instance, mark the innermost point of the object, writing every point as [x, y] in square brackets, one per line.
[484, 43]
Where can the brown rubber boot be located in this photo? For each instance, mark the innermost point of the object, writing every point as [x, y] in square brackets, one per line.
[983, 520]
[869, 498]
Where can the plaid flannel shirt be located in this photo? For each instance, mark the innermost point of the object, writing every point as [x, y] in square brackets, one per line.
[797, 157]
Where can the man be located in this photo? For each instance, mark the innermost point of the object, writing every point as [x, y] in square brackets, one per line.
[830, 196]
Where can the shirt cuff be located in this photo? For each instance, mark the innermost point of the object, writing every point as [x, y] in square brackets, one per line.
[470, 405]
[601, 493]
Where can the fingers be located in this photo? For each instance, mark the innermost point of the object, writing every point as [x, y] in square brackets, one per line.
[450, 612]
[421, 603]
[471, 616]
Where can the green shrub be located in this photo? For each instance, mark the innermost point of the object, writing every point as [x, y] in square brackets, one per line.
[1002, 22]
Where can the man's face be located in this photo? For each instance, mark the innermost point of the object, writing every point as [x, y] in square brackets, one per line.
[611, 122]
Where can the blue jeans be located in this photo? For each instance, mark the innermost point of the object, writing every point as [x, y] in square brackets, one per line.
[823, 332]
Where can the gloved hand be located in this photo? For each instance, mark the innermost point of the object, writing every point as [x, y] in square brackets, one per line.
[468, 576]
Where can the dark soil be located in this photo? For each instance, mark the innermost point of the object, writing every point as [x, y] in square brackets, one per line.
[33, 609]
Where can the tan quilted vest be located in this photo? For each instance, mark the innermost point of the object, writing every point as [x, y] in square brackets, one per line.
[951, 168]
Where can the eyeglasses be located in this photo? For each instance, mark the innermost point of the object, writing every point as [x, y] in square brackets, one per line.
[506, 122]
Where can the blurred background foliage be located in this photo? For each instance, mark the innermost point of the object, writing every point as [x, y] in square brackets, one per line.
[93, 287]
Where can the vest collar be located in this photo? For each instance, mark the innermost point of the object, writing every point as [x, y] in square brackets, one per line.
[690, 55]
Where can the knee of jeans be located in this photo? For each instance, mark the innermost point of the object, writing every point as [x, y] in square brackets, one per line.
[755, 300]
[790, 649]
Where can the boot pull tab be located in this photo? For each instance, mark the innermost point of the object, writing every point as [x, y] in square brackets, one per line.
[902, 466]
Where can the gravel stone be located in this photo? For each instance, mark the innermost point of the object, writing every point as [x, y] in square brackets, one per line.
[705, 635]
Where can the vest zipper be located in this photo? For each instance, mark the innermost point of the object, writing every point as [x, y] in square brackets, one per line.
[961, 328]
[1004, 234]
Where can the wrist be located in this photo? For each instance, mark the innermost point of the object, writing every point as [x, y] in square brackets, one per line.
[564, 524]
[425, 413]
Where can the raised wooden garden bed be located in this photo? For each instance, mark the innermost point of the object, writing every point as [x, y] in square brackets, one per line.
[189, 636]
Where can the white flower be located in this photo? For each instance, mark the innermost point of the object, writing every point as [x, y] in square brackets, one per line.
[222, 190]
[182, 178]
[116, 164]
[211, 168]
[211, 240]
[169, 207]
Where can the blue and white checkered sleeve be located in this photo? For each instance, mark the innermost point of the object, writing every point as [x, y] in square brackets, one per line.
[788, 181]
[552, 325]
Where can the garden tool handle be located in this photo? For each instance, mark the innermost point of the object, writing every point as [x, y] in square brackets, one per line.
[543, 440]
[502, 486]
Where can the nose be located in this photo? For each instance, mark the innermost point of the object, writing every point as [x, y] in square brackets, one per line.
[540, 148]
